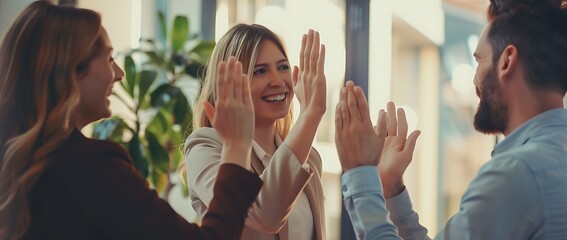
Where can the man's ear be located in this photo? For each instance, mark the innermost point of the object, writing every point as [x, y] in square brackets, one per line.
[507, 62]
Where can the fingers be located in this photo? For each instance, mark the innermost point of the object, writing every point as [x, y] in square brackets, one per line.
[345, 115]
[321, 60]
[246, 97]
[236, 79]
[338, 120]
[209, 111]
[302, 51]
[351, 101]
[411, 141]
[232, 81]
[380, 128]
[402, 123]
[295, 75]
[315, 50]
[312, 53]
[307, 50]
[229, 78]
[362, 104]
[221, 91]
[392, 122]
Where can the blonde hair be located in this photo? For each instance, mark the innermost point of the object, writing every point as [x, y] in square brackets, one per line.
[40, 57]
[242, 41]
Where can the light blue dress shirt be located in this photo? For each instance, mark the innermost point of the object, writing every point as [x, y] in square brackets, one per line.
[521, 193]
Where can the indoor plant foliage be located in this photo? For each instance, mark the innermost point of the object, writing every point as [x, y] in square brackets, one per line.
[158, 116]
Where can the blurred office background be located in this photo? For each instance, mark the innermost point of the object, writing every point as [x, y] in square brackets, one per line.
[417, 53]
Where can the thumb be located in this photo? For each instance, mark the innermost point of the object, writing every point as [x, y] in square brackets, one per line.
[295, 75]
[209, 111]
[411, 141]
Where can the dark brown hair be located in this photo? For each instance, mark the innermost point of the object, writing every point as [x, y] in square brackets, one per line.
[538, 29]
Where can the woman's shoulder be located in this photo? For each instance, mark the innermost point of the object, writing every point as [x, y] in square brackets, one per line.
[78, 148]
[204, 135]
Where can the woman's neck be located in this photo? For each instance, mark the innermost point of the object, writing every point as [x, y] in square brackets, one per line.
[264, 135]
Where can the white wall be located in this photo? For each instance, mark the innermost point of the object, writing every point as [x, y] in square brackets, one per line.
[9, 10]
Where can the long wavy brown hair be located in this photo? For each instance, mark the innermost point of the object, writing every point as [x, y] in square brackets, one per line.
[41, 55]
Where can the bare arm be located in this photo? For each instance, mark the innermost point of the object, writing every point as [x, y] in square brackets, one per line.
[310, 87]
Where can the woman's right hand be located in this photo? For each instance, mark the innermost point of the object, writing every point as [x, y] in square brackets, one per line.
[233, 113]
[309, 81]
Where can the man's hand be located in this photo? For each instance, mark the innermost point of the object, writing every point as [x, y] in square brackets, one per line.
[398, 150]
[357, 142]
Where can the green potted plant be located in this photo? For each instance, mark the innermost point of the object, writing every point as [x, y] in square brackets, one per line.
[158, 116]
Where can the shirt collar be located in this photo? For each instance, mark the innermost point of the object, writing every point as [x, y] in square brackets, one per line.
[522, 134]
[259, 151]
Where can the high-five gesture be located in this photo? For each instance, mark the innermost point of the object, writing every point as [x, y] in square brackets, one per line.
[233, 113]
[357, 143]
[310, 87]
[398, 150]
[309, 82]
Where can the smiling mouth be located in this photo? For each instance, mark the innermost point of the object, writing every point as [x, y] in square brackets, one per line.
[275, 98]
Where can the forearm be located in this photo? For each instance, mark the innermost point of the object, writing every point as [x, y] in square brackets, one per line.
[300, 137]
[405, 218]
[231, 201]
[284, 180]
[365, 204]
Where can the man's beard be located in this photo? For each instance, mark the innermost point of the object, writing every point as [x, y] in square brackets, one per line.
[492, 114]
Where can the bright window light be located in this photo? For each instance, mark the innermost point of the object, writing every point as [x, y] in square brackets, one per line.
[462, 78]
[136, 27]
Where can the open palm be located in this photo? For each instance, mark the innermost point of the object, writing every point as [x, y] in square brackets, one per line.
[398, 150]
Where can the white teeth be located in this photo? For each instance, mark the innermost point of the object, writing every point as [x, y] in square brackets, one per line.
[275, 98]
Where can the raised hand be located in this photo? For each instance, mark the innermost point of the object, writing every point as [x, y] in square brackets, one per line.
[398, 150]
[233, 113]
[309, 82]
[357, 142]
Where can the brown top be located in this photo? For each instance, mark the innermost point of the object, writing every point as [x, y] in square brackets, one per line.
[92, 191]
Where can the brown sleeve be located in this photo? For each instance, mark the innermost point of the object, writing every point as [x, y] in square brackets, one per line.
[118, 202]
[234, 192]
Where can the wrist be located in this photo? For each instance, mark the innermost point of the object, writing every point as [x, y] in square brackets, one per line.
[237, 154]
[392, 188]
[347, 167]
[311, 116]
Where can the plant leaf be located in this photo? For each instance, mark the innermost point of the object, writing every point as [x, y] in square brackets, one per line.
[195, 70]
[110, 129]
[137, 153]
[181, 108]
[161, 122]
[159, 156]
[159, 180]
[204, 49]
[147, 77]
[155, 58]
[175, 153]
[162, 24]
[103, 129]
[130, 70]
[160, 96]
[179, 32]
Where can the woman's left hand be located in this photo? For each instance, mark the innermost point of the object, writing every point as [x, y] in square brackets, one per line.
[309, 82]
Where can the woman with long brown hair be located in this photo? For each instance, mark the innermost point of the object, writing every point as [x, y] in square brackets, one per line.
[56, 73]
